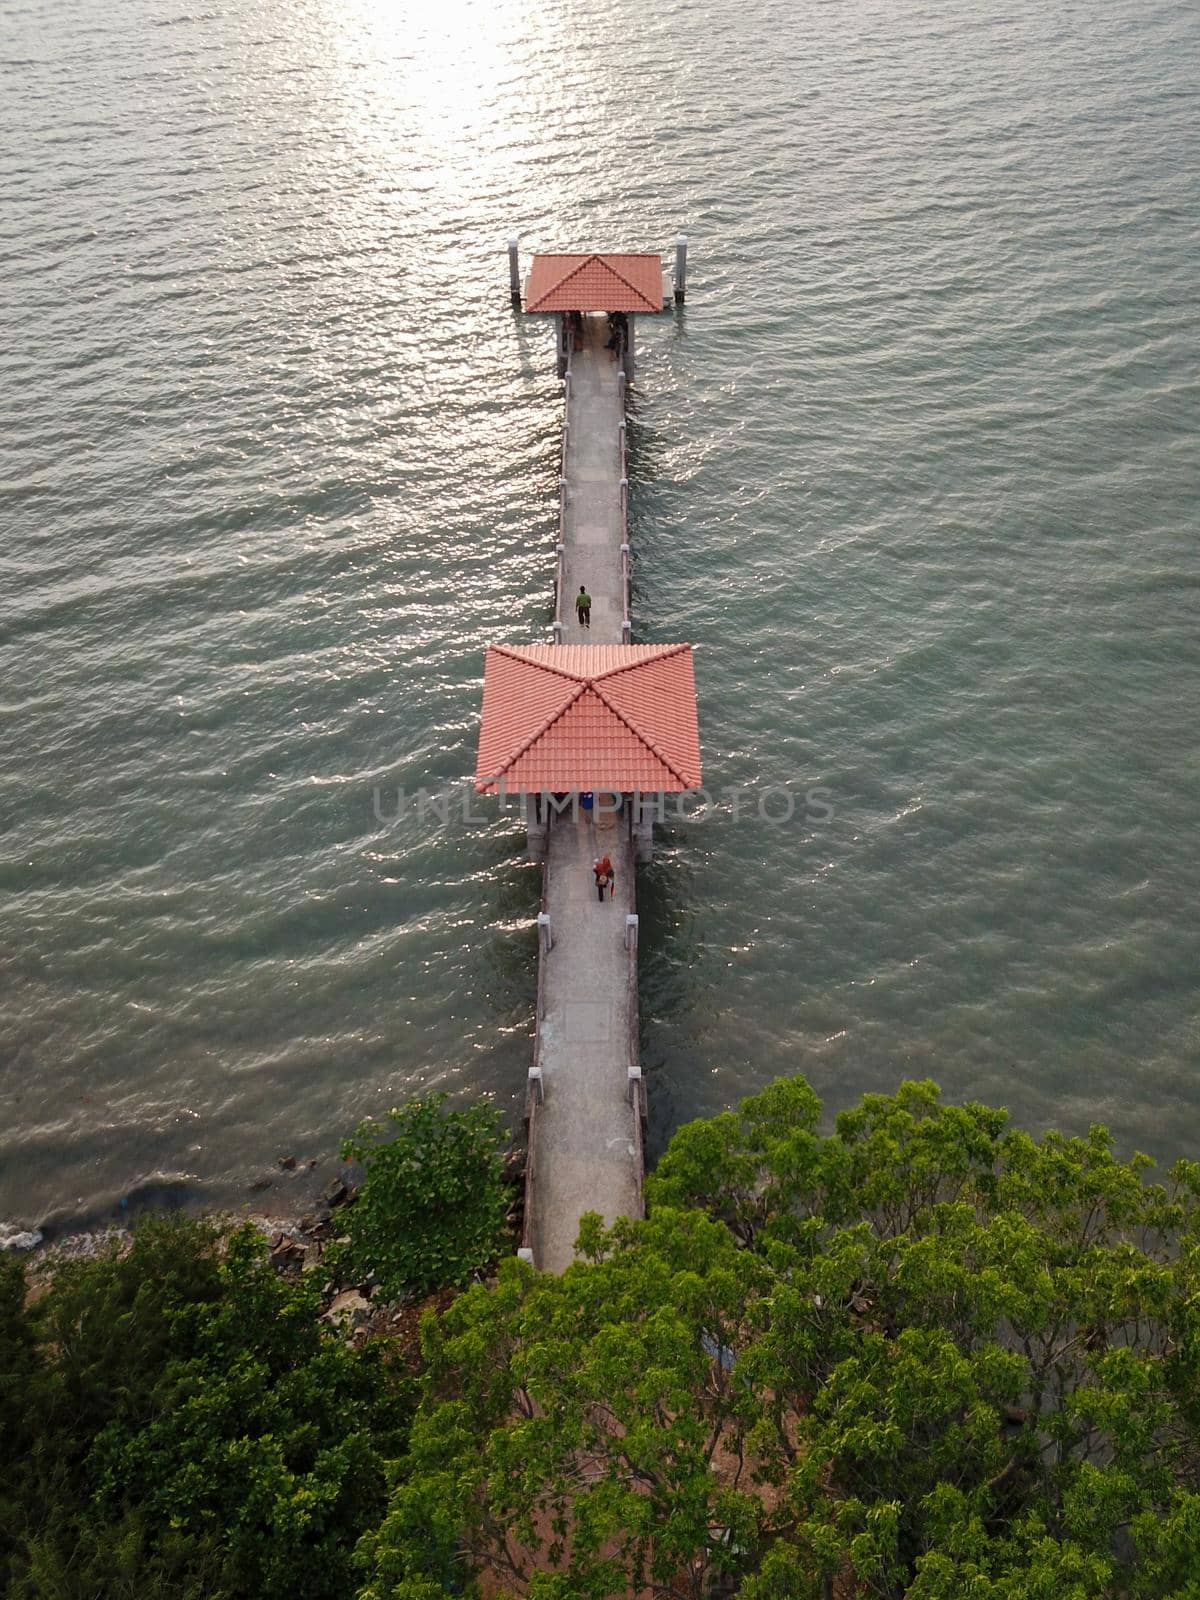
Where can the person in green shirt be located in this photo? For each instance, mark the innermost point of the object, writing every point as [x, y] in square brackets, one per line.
[583, 607]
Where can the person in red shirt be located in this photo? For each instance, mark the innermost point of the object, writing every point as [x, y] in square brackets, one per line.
[604, 877]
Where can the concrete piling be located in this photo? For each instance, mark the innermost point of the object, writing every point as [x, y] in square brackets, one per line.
[514, 269]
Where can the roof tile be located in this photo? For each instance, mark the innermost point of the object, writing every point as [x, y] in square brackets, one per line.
[595, 283]
[565, 717]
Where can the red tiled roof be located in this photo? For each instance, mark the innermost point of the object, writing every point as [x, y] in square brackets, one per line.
[613, 716]
[595, 283]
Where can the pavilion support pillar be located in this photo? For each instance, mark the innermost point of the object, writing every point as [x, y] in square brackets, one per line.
[535, 828]
[641, 828]
[627, 360]
[562, 333]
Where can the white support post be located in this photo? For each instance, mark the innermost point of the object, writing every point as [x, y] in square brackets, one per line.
[545, 935]
[634, 1087]
[631, 931]
[536, 1088]
[525, 1254]
[626, 631]
[514, 268]
[621, 386]
[680, 268]
[556, 631]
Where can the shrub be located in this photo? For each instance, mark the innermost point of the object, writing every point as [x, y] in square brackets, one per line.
[431, 1210]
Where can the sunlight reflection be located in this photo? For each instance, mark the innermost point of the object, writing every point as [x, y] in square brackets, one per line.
[438, 86]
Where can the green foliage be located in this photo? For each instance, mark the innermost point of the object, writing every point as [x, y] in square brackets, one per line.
[925, 1356]
[18, 1372]
[431, 1209]
[198, 1431]
[570, 1424]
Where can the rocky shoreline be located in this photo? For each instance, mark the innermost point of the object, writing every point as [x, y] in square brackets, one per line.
[296, 1244]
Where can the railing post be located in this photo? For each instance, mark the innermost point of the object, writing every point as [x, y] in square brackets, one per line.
[634, 1087]
[621, 385]
[631, 931]
[556, 632]
[526, 1254]
[545, 942]
[626, 631]
[536, 1087]
[680, 268]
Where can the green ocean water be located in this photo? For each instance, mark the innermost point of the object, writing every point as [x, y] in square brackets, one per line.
[915, 470]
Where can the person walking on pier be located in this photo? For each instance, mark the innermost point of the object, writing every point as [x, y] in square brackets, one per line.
[583, 607]
[604, 877]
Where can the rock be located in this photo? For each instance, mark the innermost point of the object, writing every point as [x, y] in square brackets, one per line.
[287, 1255]
[19, 1238]
[513, 1170]
[287, 1163]
[348, 1307]
[335, 1193]
[259, 1185]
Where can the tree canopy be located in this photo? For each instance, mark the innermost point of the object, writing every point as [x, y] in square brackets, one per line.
[923, 1354]
[186, 1428]
[926, 1355]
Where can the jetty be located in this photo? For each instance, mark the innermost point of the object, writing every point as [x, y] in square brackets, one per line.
[590, 730]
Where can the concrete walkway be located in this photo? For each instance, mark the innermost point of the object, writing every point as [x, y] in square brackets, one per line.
[587, 1159]
[592, 524]
[588, 1154]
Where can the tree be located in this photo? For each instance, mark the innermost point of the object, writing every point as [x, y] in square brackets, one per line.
[431, 1211]
[200, 1432]
[924, 1356]
[18, 1375]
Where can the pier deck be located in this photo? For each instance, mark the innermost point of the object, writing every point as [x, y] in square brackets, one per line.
[589, 1146]
[588, 1153]
[592, 522]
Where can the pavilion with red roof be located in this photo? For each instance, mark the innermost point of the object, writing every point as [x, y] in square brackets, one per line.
[574, 287]
[564, 718]
[595, 282]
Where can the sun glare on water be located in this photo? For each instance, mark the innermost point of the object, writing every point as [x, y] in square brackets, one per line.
[438, 86]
